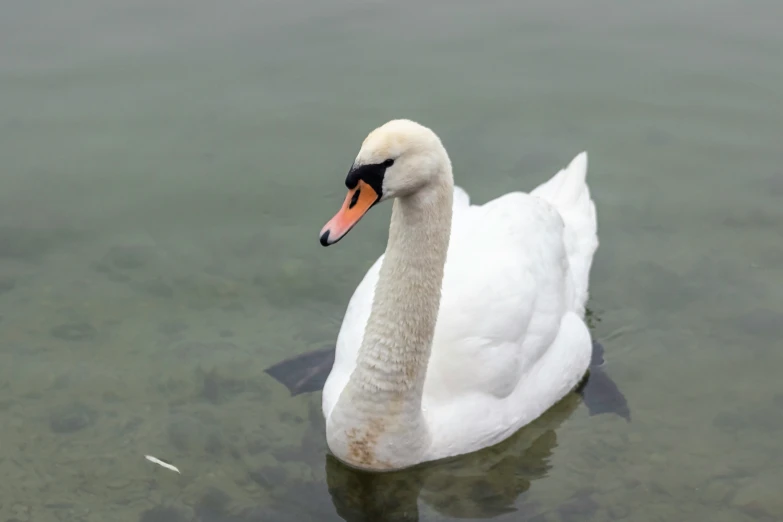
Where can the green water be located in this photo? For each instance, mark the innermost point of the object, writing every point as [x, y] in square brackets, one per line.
[165, 168]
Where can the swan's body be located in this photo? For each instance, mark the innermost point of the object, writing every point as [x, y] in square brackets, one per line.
[470, 326]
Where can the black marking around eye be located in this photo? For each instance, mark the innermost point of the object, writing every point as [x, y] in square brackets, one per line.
[355, 198]
[370, 174]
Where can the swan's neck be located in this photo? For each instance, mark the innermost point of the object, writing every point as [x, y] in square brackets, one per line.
[377, 422]
[392, 361]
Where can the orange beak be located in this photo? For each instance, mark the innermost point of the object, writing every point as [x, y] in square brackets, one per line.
[356, 204]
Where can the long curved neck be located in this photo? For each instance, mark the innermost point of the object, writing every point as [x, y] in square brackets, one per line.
[392, 361]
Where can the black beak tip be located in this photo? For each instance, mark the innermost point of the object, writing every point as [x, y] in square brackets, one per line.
[325, 239]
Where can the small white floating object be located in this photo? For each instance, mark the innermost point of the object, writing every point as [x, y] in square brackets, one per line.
[162, 463]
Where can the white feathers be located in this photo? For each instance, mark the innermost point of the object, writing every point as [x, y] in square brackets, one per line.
[162, 463]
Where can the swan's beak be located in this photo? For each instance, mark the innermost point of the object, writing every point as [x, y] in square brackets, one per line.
[357, 203]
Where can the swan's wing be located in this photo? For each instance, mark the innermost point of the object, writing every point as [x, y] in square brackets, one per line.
[504, 296]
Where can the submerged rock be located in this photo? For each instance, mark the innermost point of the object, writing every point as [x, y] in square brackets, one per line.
[213, 505]
[268, 477]
[760, 496]
[172, 327]
[72, 418]
[217, 388]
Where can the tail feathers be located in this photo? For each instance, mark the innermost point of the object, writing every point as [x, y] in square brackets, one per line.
[567, 187]
[568, 192]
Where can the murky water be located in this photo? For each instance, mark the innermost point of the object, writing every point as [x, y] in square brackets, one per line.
[165, 168]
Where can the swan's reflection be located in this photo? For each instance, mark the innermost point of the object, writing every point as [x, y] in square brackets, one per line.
[479, 485]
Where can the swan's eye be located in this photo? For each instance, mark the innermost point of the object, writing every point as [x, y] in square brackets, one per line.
[388, 163]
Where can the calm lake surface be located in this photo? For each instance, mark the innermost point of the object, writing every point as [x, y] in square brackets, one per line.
[165, 168]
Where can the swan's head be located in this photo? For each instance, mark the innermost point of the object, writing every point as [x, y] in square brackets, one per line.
[396, 160]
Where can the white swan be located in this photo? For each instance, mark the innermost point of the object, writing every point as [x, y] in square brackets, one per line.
[470, 326]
